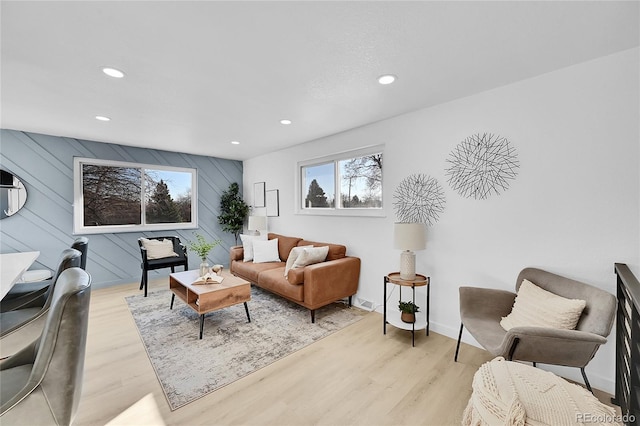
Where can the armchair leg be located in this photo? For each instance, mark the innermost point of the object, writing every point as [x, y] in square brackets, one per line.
[455, 358]
[586, 381]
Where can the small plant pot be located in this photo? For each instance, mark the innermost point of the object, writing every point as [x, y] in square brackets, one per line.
[408, 318]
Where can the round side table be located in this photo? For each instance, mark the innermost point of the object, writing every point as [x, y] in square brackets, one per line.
[393, 316]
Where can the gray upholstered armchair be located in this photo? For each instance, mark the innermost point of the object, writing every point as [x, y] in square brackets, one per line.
[482, 309]
[42, 383]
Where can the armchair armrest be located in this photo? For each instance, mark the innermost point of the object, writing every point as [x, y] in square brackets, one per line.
[329, 281]
[477, 302]
[572, 348]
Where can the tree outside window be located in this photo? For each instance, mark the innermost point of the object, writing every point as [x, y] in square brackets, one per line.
[343, 183]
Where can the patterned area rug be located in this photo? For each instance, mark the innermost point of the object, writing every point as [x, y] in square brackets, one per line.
[189, 368]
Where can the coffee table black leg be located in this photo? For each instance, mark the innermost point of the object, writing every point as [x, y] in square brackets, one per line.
[173, 297]
[246, 308]
[201, 325]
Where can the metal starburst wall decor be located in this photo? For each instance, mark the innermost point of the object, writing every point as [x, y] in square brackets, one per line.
[419, 199]
[482, 165]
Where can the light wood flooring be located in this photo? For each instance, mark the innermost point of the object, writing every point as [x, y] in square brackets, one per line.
[357, 376]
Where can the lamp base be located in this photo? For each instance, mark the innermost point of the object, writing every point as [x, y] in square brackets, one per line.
[407, 265]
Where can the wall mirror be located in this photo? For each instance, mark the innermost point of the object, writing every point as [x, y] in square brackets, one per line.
[13, 194]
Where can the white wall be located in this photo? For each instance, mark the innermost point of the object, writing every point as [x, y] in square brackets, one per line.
[574, 208]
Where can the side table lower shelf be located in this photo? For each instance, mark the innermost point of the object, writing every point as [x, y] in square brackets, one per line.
[392, 316]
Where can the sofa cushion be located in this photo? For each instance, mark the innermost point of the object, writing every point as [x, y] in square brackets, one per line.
[293, 256]
[247, 244]
[310, 256]
[274, 280]
[265, 251]
[250, 270]
[336, 251]
[285, 244]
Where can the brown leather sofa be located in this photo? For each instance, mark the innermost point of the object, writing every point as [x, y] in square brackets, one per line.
[312, 286]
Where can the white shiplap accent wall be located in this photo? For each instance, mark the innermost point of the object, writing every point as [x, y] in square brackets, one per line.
[45, 165]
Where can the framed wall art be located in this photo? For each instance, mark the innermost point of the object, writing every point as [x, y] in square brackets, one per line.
[273, 203]
[258, 194]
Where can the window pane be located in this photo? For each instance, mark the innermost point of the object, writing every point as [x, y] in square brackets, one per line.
[111, 195]
[168, 196]
[361, 182]
[319, 186]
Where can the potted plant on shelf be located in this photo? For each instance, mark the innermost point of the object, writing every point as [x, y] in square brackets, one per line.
[408, 310]
[202, 247]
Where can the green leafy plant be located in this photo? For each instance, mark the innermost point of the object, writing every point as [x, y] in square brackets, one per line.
[233, 211]
[408, 307]
[201, 246]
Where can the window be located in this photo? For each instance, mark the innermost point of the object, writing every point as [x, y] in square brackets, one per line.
[113, 196]
[345, 184]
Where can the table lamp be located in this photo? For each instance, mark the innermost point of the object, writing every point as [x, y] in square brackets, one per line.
[408, 237]
[257, 223]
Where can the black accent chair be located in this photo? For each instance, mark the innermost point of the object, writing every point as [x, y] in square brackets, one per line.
[165, 262]
[42, 383]
[22, 292]
[30, 309]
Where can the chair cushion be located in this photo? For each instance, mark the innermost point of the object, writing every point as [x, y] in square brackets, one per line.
[535, 307]
[159, 249]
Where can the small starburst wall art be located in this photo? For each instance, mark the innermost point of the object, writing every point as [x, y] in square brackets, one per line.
[482, 165]
[419, 199]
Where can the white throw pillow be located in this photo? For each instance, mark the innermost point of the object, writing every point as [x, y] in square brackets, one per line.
[309, 256]
[158, 249]
[536, 307]
[265, 251]
[247, 244]
[293, 256]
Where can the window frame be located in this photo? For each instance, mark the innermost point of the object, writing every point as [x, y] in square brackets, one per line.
[337, 210]
[79, 228]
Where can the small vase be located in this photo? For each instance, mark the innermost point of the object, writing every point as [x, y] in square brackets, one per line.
[204, 267]
[407, 317]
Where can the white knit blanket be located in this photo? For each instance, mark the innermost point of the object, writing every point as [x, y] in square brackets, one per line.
[511, 393]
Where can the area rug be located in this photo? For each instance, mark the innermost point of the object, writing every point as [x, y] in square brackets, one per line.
[231, 348]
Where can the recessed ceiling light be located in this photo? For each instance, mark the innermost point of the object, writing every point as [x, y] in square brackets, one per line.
[235, 143]
[112, 72]
[102, 118]
[386, 79]
[285, 122]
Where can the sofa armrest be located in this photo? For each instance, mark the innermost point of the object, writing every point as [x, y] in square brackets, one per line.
[236, 253]
[572, 348]
[329, 281]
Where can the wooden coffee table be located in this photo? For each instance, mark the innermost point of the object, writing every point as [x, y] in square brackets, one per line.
[205, 298]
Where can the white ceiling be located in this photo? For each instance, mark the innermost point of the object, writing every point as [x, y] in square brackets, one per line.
[201, 74]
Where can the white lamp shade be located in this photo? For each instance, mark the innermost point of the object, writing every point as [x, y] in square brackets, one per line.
[257, 223]
[409, 236]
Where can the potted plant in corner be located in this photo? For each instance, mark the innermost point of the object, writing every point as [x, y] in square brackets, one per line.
[408, 310]
[202, 248]
[233, 211]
